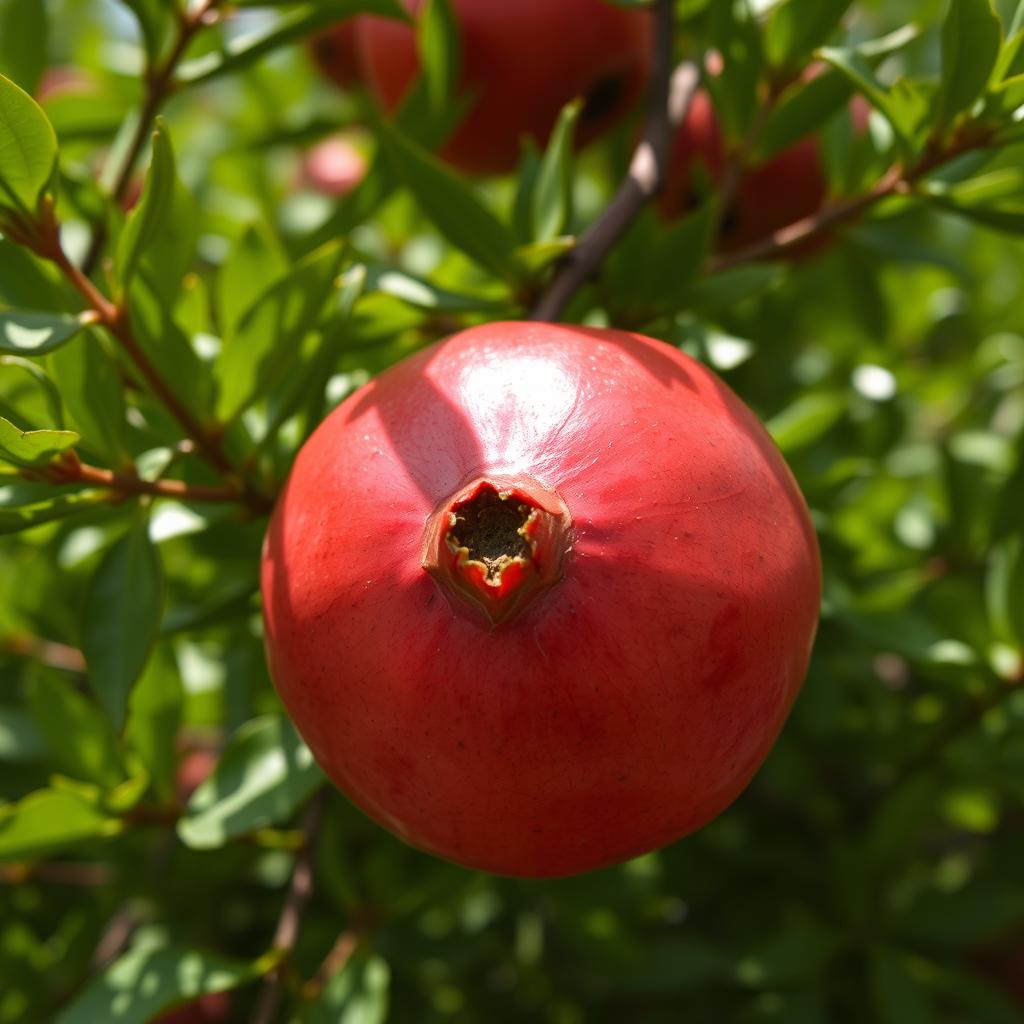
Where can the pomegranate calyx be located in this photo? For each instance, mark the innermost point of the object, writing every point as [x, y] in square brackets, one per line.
[497, 544]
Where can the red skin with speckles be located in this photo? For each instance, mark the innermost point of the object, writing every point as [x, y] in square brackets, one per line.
[522, 62]
[624, 706]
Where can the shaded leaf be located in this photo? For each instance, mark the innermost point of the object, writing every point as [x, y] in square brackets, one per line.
[264, 774]
[122, 617]
[35, 334]
[148, 980]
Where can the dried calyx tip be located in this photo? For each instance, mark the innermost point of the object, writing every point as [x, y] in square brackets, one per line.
[492, 529]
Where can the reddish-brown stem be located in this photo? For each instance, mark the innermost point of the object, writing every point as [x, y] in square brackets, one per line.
[669, 100]
[117, 322]
[46, 652]
[340, 954]
[287, 934]
[896, 181]
[70, 470]
[89, 876]
[159, 85]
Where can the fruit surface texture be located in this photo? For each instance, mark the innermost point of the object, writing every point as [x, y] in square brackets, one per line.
[539, 598]
[521, 63]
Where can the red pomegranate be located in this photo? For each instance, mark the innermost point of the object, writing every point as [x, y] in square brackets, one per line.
[334, 50]
[540, 597]
[521, 63]
[781, 191]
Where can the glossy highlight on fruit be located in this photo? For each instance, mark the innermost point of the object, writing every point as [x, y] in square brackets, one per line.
[539, 598]
[521, 63]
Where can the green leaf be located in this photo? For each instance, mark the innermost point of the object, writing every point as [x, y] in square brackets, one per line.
[24, 34]
[271, 331]
[898, 996]
[169, 350]
[93, 397]
[121, 619]
[437, 40]
[803, 111]
[20, 741]
[798, 26]
[552, 196]
[737, 36]
[264, 774]
[971, 38]
[255, 263]
[33, 447]
[79, 736]
[21, 507]
[160, 236]
[50, 820]
[357, 994]
[35, 334]
[905, 106]
[28, 154]
[293, 26]
[51, 396]
[155, 711]
[150, 979]
[451, 204]
[807, 419]
[424, 295]
[995, 199]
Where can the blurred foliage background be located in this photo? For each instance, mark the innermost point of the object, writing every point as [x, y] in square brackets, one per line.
[872, 871]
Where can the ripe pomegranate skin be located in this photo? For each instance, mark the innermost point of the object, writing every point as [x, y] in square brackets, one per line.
[521, 63]
[787, 188]
[334, 51]
[633, 695]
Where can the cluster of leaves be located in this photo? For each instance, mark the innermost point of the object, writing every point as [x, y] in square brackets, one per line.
[160, 368]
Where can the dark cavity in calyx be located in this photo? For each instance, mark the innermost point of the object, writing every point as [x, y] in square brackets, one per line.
[489, 527]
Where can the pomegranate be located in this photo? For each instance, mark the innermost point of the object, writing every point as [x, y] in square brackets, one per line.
[781, 191]
[521, 63]
[334, 51]
[539, 597]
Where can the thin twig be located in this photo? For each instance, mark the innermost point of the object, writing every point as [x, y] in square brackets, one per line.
[159, 86]
[70, 470]
[117, 322]
[287, 934]
[671, 94]
[83, 875]
[896, 181]
[46, 652]
[340, 954]
[782, 242]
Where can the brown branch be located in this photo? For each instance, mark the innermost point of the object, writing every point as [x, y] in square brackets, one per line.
[116, 321]
[338, 956]
[782, 242]
[46, 652]
[668, 103]
[287, 934]
[896, 181]
[70, 470]
[159, 86]
[87, 876]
